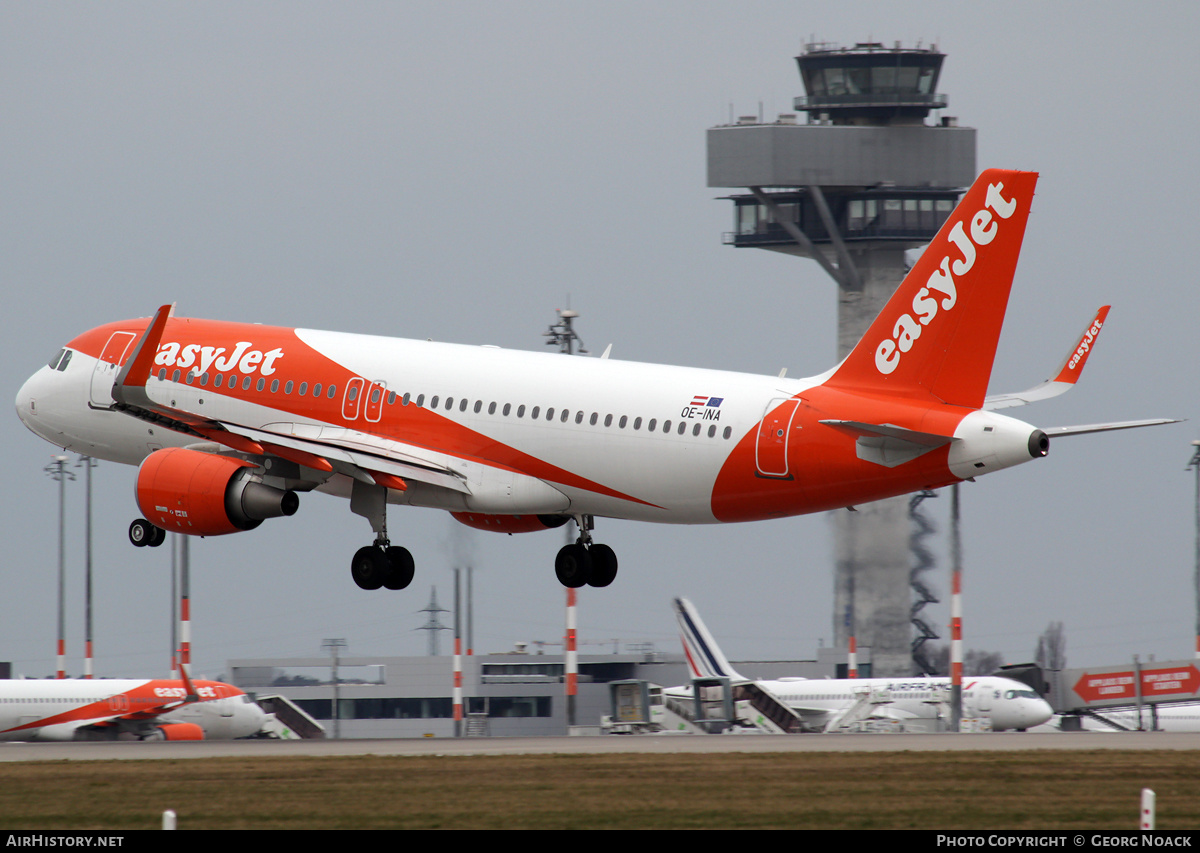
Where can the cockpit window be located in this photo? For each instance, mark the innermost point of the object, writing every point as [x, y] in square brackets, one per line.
[61, 360]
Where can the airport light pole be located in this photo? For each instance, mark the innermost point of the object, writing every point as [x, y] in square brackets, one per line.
[1194, 465]
[334, 645]
[57, 470]
[563, 335]
[87, 463]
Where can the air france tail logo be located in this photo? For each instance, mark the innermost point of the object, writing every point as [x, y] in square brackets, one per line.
[984, 228]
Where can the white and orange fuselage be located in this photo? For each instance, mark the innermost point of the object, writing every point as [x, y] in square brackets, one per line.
[228, 420]
[117, 709]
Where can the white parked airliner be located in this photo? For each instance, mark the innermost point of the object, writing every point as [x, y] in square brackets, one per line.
[67, 709]
[230, 421]
[824, 704]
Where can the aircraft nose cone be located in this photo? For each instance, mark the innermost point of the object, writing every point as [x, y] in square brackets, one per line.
[27, 401]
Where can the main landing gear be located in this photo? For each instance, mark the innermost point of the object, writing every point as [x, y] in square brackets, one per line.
[584, 562]
[381, 564]
[142, 533]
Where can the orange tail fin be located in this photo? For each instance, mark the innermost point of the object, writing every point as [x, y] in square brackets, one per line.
[938, 333]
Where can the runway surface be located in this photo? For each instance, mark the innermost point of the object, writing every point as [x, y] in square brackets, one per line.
[610, 744]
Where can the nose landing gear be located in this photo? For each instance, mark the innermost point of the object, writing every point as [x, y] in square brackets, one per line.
[142, 533]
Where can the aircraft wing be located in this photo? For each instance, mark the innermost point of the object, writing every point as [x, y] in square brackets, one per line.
[1066, 377]
[370, 459]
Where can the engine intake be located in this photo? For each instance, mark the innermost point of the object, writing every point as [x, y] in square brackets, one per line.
[204, 494]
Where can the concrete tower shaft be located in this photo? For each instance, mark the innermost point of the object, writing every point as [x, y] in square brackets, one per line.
[863, 180]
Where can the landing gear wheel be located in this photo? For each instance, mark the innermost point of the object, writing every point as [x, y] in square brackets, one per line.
[369, 567]
[400, 568]
[573, 566]
[141, 532]
[158, 537]
[604, 566]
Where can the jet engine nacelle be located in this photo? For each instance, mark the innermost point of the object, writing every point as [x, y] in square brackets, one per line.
[176, 731]
[205, 494]
[510, 523]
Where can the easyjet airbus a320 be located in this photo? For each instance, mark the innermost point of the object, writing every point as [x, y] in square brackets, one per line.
[229, 422]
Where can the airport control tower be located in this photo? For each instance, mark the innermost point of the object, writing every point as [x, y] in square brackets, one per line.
[865, 178]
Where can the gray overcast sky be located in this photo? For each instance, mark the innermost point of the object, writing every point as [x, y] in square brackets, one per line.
[454, 170]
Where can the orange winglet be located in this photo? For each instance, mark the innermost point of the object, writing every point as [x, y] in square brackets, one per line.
[137, 370]
[300, 457]
[1073, 366]
[391, 481]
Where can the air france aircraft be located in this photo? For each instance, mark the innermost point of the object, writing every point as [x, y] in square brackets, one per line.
[230, 422]
[69, 709]
[822, 703]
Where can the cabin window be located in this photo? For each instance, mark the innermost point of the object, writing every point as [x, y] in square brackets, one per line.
[579, 417]
[175, 375]
[420, 400]
[274, 386]
[462, 406]
[608, 420]
[303, 388]
[433, 401]
[478, 406]
[204, 379]
[332, 392]
[317, 389]
[287, 389]
[653, 423]
[537, 410]
[391, 398]
[594, 418]
[712, 431]
[728, 432]
[491, 408]
[566, 413]
[262, 383]
[621, 423]
[217, 380]
[666, 426]
[404, 400]
[521, 411]
[449, 403]
[637, 423]
[190, 378]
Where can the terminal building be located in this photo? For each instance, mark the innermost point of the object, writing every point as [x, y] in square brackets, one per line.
[505, 695]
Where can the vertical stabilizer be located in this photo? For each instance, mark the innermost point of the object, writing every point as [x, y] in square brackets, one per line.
[704, 656]
[937, 335]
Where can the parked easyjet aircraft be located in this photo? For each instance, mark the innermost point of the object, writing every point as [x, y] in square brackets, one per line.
[230, 421]
[125, 709]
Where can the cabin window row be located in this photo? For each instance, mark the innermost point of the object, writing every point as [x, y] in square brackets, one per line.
[220, 380]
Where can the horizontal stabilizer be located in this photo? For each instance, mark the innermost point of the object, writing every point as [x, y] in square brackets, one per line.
[887, 444]
[1068, 372]
[1084, 429]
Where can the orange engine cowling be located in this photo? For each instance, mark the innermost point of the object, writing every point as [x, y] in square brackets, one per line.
[205, 494]
[177, 731]
[510, 523]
